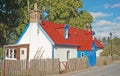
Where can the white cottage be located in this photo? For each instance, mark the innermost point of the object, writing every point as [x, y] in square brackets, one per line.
[43, 39]
[34, 43]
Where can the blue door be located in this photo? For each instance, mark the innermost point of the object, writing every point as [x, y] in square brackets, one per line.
[92, 58]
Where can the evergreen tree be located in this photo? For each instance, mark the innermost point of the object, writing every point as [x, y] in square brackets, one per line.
[12, 16]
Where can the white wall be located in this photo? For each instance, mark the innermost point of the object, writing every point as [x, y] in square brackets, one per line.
[98, 52]
[36, 41]
[61, 53]
[40, 41]
[23, 53]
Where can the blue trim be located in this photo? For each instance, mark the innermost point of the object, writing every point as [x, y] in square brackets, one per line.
[28, 25]
[66, 26]
[53, 51]
[66, 45]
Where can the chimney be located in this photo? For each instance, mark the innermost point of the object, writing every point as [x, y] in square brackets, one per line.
[88, 27]
[35, 15]
[66, 31]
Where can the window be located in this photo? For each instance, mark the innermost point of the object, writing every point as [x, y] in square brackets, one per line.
[10, 53]
[66, 31]
[7, 53]
[22, 52]
[68, 54]
[14, 53]
[82, 54]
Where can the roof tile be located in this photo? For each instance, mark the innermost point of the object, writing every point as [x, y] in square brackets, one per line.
[77, 37]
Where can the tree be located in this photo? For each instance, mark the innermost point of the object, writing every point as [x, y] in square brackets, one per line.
[104, 40]
[115, 48]
[11, 12]
[3, 30]
[65, 11]
[12, 15]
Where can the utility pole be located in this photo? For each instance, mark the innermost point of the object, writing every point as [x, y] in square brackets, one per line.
[111, 45]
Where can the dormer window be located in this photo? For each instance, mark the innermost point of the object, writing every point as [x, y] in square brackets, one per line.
[66, 31]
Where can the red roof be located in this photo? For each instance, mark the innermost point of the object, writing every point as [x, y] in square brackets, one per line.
[98, 44]
[80, 38]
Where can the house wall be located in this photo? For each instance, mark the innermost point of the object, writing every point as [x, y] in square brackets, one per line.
[61, 53]
[24, 46]
[38, 40]
[98, 52]
[79, 53]
[11, 48]
[90, 54]
[17, 48]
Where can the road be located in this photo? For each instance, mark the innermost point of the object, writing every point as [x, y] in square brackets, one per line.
[108, 70]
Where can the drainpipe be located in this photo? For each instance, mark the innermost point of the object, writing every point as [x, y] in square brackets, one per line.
[53, 51]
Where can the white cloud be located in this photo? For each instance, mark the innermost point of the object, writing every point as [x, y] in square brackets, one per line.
[98, 14]
[106, 23]
[106, 5]
[100, 35]
[116, 5]
[104, 27]
[118, 18]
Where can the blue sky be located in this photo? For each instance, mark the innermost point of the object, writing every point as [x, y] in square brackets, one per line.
[106, 14]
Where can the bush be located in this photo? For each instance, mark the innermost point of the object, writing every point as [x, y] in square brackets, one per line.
[1, 52]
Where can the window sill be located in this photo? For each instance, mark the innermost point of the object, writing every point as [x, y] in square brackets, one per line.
[10, 59]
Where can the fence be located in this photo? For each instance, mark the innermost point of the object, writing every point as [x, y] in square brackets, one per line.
[77, 64]
[44, 67]
[33, 68]
[116, 58]
[15, 68]
[104, 60]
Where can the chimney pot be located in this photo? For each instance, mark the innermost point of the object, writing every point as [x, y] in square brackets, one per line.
[35, 6]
